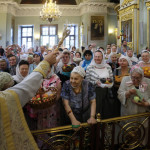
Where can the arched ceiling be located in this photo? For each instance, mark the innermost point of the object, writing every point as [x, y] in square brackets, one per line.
[63, 2]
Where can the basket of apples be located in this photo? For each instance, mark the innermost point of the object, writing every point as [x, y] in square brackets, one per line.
[43, 98]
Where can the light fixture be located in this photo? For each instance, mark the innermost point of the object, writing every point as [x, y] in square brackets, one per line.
[37, 37]
[111, 31]
[50, 11]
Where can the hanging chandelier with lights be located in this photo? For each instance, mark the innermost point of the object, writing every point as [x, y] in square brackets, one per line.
[50, 11]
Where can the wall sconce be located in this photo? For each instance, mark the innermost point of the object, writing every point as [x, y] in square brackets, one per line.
[59, 35]
[0, 36]
[37, 37]
[116, 30]
[110, 31]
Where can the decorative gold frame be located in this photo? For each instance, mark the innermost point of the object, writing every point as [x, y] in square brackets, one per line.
[127, 14]
[126, 2]
[148, 25]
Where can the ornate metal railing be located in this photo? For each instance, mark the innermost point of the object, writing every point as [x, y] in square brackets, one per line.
[127, 132]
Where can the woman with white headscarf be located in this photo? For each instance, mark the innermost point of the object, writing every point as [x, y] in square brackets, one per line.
[79, 98]
[113, 61]
[131, 57]
[100, 75]
[22, 71]
[124, 67]
[145, 62]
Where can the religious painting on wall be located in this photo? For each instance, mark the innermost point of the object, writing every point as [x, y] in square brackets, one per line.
[97, 27]
[126, 30]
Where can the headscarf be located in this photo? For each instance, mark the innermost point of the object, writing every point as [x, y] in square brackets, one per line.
[18, 77]
[39, 54]
[103, 63]
[86, 63]
[5, 79]
[126, 58]
[143, 85]
[79, 70]
[145, 51]
[132, 59]
[109, 58]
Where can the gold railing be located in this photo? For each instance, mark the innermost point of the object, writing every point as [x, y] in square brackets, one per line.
[127, 132]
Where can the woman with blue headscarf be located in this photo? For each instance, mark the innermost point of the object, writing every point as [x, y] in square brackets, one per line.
[87, 56]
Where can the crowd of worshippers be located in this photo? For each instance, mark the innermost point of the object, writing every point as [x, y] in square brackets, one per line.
[86, 82]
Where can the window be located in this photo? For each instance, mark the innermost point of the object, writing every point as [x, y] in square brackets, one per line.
[72, 39]
[49, 35]
[27, 36]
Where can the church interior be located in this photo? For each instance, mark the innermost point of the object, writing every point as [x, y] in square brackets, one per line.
[96, 23]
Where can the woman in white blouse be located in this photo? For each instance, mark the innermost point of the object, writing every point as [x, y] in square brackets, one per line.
[100, 74]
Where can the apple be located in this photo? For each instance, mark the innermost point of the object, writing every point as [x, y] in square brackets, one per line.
[38, 96]
[136, 99]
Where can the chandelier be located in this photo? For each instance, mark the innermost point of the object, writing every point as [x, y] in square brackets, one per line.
[50, 11]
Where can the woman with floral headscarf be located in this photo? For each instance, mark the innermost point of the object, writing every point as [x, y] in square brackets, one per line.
[134, 85]
[134, 95]
[100, 75]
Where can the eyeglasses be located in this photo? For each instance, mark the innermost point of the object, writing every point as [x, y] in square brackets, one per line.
[136, 78]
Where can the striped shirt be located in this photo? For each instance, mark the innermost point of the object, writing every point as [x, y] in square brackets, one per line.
[92, 75]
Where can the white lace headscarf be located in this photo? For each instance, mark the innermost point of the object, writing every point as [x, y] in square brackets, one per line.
[79, 70]
[18, 77]
[126, 58]
[6, 80]
[102, 64]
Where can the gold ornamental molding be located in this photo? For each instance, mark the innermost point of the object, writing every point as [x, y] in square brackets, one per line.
[125, 14]
[130, 44]
[148, 24]
[127, 17]
[126, 2]
[148, 4]
[127, 9]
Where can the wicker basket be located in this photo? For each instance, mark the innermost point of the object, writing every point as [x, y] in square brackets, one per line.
[68, 68]
[43, 98]
[118, 80]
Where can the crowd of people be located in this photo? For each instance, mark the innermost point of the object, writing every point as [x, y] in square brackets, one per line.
[88, 81]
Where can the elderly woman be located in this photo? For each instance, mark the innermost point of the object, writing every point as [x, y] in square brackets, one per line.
[145, 59]
[22, 70]
[134, 85]
[113, 61]
[131, 57]
[79, 98]
[124, 68]
[100, 75]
